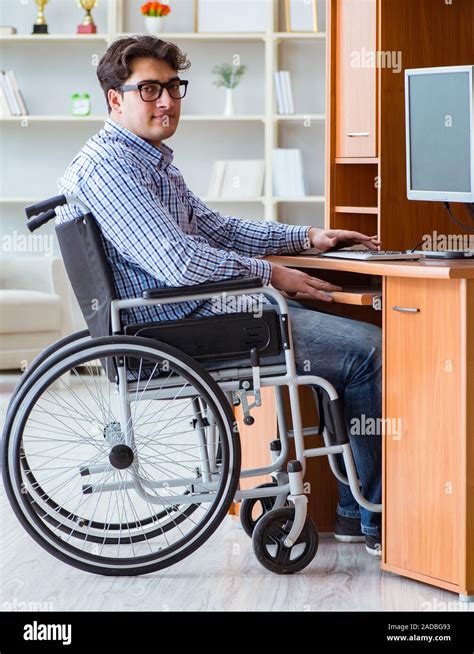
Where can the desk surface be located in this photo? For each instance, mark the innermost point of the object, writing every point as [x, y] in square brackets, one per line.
[457, 269]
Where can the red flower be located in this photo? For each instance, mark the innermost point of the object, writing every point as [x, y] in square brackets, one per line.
[155, 9]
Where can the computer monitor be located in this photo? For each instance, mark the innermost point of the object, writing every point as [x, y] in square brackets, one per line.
[440, 133]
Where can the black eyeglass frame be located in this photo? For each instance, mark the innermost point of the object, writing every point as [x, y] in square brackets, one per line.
[162, 85]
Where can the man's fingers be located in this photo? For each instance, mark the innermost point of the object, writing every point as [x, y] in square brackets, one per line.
[318, 295]
[314, 282]
[372, 242]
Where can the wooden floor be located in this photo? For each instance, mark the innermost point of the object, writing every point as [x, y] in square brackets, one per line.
[222, 575]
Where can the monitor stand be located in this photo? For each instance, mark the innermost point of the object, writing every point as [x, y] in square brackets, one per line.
[451, 254]
[446, 254]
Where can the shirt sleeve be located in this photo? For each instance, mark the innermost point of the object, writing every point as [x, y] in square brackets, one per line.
[139, 226]
[247, 237]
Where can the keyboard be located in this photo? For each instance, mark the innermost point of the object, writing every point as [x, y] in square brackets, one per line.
[366, 255]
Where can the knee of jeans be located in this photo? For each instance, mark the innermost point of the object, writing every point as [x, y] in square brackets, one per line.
[371, 346]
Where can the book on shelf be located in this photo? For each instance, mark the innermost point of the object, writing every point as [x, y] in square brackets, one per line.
[12, 98]
[288, 175]
[281, 109]
[288, 91]
[217, 176]
[237, 179]
[284, 93]
[4, 108]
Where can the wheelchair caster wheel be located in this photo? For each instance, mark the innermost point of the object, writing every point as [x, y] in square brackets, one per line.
[251, 510]
[268, 538]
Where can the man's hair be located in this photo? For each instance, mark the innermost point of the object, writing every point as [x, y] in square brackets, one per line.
[115, 66]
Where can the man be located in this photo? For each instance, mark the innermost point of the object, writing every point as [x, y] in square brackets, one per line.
[158, 233]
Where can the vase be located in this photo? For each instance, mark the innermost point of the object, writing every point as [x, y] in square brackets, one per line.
[229, 103]
[154, 24]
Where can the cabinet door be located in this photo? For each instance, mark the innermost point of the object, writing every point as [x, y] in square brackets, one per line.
[356, 74]
[422, 400]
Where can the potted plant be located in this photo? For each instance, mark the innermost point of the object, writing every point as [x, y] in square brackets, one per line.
[228, 76]
[155, 15]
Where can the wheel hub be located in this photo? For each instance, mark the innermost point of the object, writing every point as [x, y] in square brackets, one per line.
[121, 456]
[113, 433]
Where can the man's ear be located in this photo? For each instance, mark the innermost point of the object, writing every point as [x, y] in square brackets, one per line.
[115, 99]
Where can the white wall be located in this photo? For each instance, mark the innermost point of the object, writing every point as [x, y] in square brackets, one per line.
[33, 157]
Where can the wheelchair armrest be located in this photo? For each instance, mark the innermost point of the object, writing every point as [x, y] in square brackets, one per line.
[236, 284]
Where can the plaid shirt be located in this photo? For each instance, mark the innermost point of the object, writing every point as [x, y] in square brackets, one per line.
[157, 233]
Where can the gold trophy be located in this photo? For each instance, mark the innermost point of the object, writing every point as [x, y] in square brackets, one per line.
[40, 26]
[87, 26]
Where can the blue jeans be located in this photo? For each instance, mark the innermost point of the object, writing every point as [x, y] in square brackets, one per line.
[348, 354]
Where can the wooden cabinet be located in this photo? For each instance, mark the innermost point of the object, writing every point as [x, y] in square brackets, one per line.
[356, 98]
[427, 444]
[370, 43]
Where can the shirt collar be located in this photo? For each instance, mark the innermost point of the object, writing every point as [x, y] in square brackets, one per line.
[161, 156]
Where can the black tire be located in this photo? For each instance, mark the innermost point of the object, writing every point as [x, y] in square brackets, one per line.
[248, 519]
[272, 530]
[202, 380]
[44, 355]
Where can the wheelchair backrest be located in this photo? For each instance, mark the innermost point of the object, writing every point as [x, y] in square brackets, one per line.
[90, 275]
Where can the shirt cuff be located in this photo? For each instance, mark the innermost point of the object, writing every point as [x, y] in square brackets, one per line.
[297, 239]
[262, 269]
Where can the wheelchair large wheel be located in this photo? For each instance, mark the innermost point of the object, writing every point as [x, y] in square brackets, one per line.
[116, 495]
[47, 355]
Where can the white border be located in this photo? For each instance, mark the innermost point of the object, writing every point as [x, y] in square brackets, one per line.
[437, 195]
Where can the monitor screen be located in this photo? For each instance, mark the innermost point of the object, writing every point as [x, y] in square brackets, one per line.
[439, 138]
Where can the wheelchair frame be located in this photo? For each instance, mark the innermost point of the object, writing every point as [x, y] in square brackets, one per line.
[278, 376]
[232, 381]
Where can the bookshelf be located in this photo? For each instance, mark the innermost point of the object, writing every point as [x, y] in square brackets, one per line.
[38, 147]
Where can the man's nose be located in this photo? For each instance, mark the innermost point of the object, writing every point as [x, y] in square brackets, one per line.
[165, 100]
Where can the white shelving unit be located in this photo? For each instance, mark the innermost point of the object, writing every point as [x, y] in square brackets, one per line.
[50, 67]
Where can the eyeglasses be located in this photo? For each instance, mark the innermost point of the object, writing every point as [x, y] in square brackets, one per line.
[151, 91]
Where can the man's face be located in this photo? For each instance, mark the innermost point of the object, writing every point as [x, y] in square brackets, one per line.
[153, 121]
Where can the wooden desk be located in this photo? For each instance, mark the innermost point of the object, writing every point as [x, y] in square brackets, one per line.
[428, 390]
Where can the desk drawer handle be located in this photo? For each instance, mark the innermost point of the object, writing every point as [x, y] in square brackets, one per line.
[406, 309]
[353, 134]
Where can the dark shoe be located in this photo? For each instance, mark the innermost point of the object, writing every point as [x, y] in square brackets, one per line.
[373, 545]
[347, 530]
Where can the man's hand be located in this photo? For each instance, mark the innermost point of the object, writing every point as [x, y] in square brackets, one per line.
[294, 281]
[335, 239]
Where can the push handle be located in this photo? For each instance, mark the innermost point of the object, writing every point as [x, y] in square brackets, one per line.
[42, 219]
[45, 205]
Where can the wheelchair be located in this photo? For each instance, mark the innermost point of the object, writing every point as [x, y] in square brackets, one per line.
[121, 453]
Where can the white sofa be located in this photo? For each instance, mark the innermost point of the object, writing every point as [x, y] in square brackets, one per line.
[35, 308]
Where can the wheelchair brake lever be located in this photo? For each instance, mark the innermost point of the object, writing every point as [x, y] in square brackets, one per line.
[247, 390]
